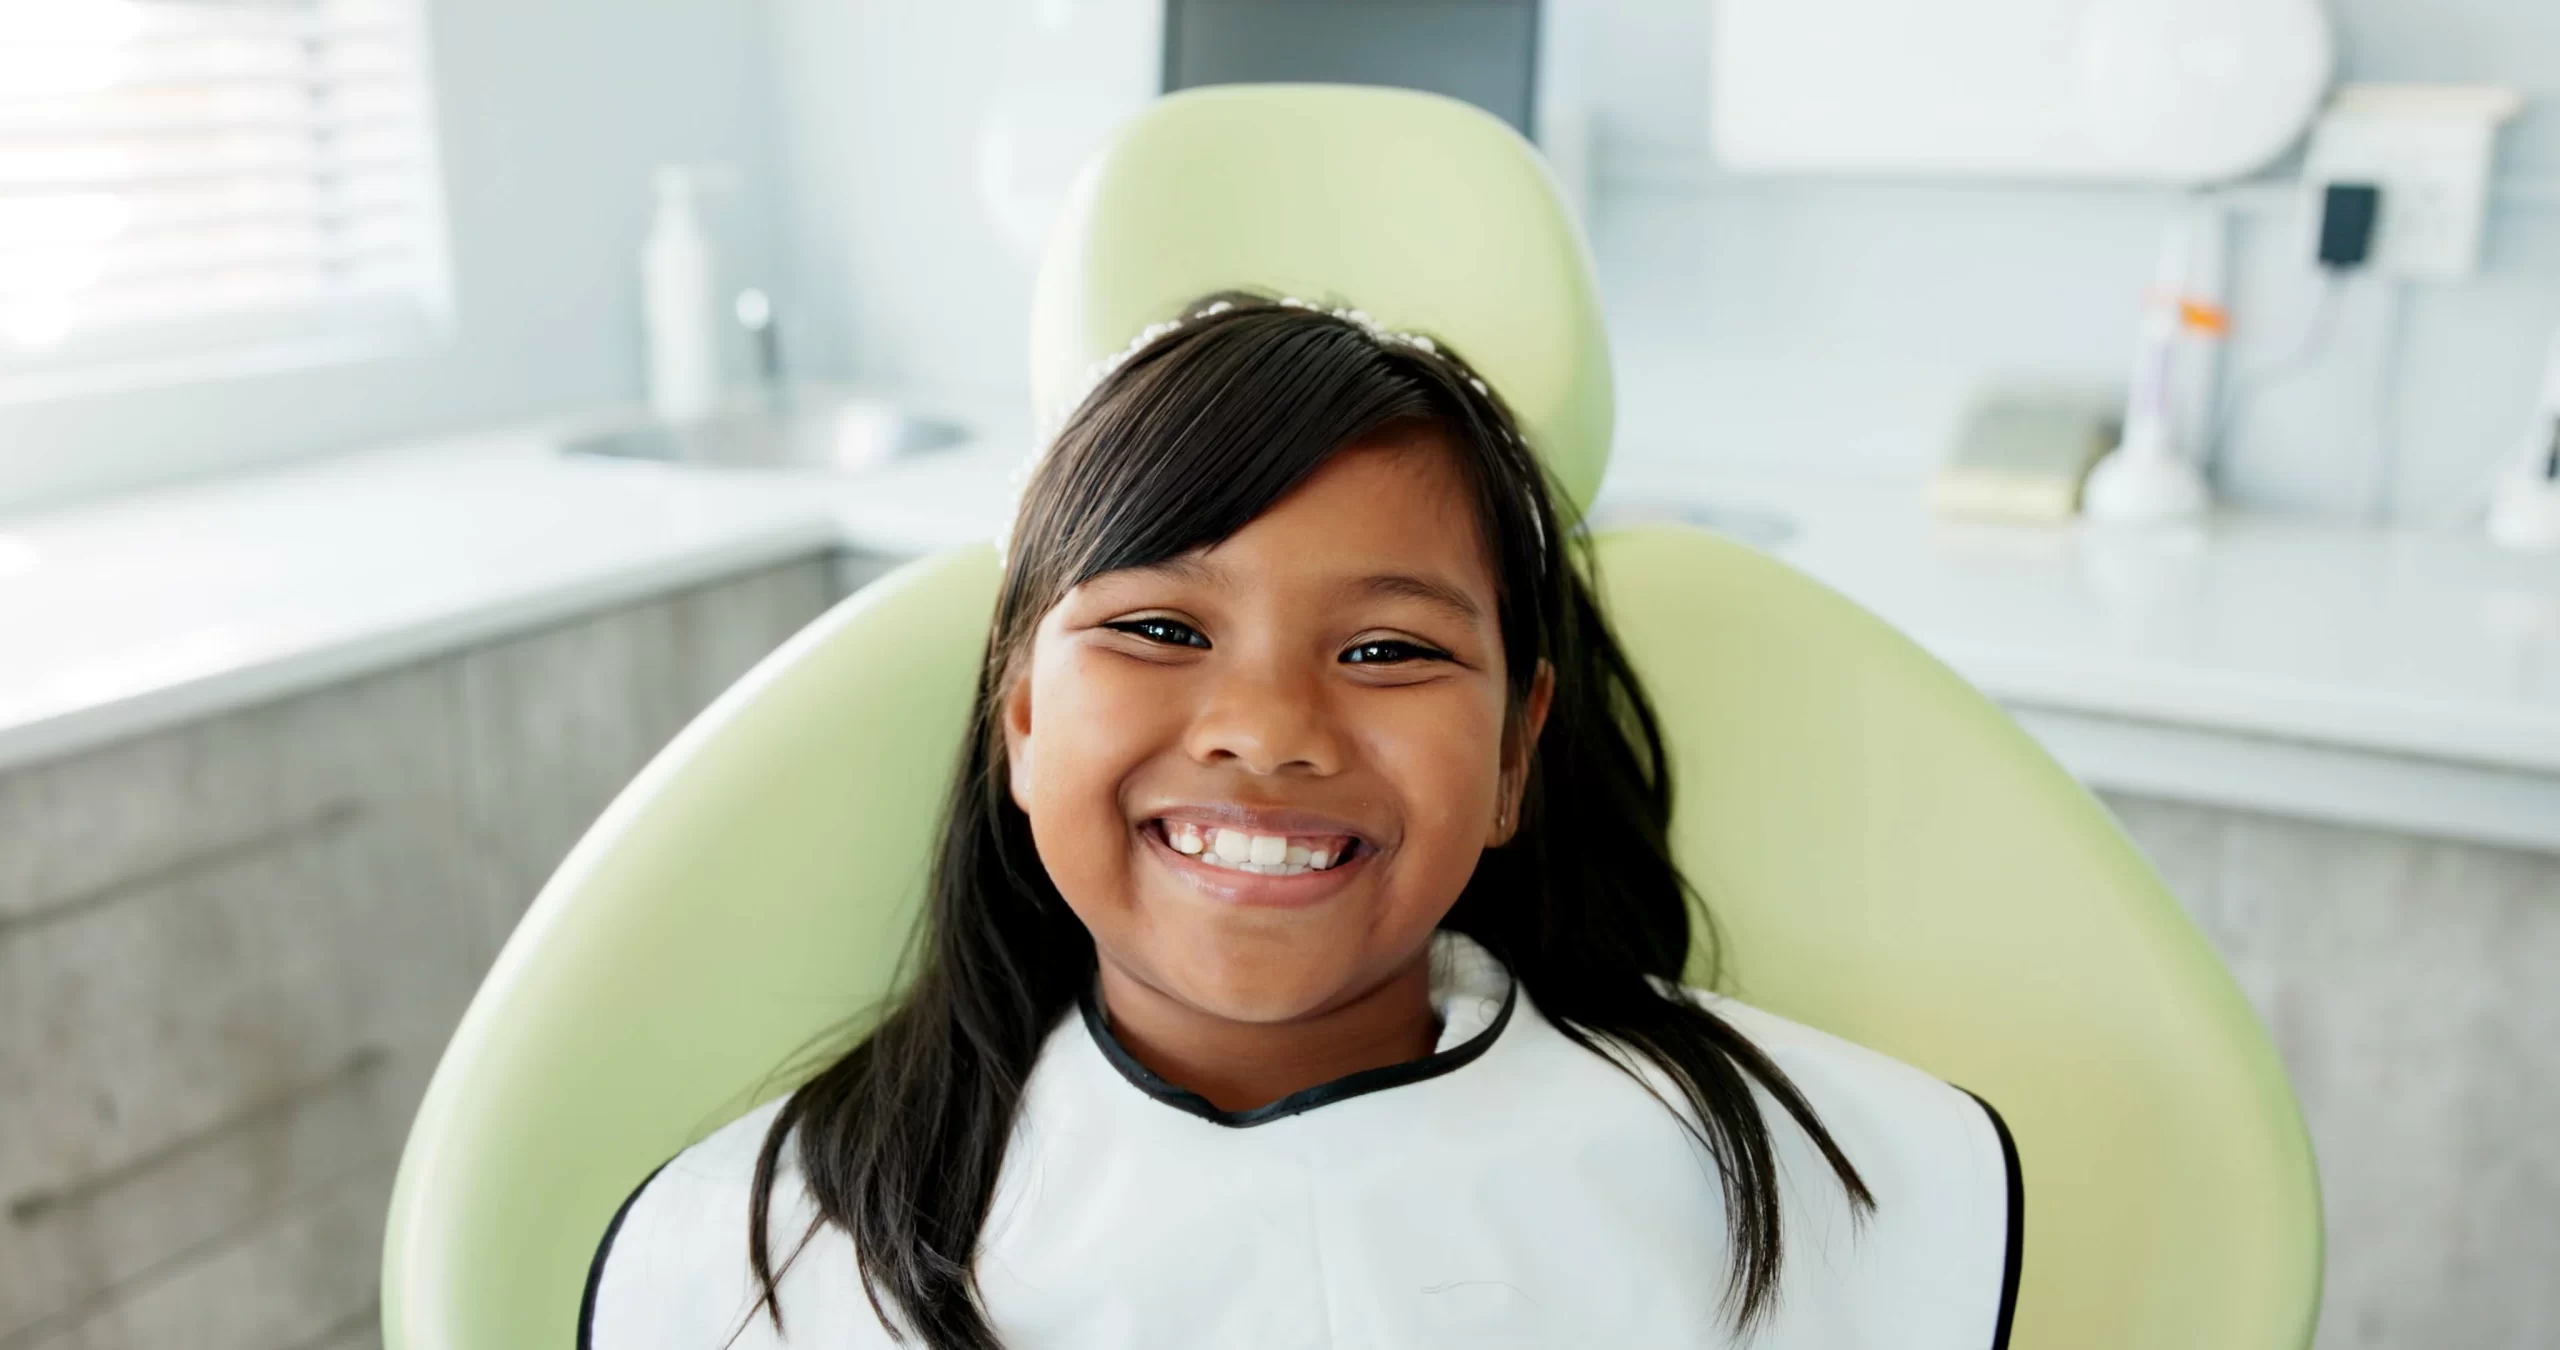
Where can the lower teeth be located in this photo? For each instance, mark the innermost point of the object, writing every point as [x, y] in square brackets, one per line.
[1261, 869]
[1279, 869]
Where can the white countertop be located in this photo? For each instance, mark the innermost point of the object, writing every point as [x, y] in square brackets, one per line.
[148, 611]
[2419, 643]
[2394, 678]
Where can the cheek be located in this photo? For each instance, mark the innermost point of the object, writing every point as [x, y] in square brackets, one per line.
[1092, 726]
[1444, 759]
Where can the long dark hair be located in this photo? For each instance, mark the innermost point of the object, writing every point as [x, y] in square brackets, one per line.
[1201, 430]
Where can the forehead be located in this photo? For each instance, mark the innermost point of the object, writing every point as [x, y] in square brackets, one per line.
[1393, 503]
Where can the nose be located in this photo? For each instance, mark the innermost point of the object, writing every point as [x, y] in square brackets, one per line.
[1266, 717]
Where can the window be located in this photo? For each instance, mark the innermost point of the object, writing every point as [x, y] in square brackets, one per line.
[195, 186]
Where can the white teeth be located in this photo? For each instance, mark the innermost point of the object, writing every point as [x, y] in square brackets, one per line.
[1238, 850]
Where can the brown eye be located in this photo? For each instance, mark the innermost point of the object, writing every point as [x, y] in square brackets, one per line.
[1170, 632]
[1390, 651]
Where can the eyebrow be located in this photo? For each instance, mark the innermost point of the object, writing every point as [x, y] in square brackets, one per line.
[1184, 567]
[1384, 585]
[1405, 586]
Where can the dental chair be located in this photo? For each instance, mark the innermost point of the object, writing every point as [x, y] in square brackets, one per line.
[1887, 855]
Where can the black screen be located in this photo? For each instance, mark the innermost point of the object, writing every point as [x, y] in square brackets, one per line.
[1483, 51]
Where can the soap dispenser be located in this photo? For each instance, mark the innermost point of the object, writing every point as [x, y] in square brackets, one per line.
[679, 288]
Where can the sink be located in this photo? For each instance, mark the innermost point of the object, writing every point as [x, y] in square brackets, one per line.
[834, 433]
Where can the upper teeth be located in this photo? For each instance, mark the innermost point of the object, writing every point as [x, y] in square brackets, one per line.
[1269, 854]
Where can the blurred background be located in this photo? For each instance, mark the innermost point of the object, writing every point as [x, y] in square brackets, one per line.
[413, 411]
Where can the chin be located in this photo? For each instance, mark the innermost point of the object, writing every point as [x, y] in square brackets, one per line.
[1259, 986]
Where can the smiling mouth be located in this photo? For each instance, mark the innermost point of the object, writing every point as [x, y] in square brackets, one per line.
[1269, 855]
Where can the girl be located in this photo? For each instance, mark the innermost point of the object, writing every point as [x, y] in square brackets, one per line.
[1300, 966]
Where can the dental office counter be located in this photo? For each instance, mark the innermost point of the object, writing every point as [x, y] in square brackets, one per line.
[2395, 679]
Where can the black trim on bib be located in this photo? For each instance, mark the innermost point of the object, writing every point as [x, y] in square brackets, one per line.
[1306, 1099]
[2011, 1263]
[595, 1268]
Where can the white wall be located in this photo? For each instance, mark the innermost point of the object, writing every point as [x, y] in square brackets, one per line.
[1829, 323]
[897, 274]
[1845, 323]
[551, 115]
[1817, 322]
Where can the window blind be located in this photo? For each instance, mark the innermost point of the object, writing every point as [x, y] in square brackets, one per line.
[184, 181]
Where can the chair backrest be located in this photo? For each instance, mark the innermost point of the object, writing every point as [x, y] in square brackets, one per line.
[1891, 859]
[747, 896]
[1424, 212]
[1888, 856]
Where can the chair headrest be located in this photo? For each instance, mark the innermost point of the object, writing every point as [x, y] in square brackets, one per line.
[1430, 214]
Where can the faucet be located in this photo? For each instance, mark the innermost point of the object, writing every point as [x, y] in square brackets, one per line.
[755, 314]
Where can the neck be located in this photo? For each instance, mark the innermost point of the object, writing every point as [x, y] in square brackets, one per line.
[1238, 1066]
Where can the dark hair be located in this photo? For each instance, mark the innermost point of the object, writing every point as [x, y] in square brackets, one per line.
[901, 1141]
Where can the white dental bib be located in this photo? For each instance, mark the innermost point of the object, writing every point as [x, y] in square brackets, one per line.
[1511, 1189]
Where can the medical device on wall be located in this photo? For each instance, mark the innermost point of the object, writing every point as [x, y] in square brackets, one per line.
[1071, 70]
[2162, 91]
[2524, 507]
[1521, 60]
[1482, 51]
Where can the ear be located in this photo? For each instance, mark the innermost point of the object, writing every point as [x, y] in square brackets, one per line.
[1013, 716]
[1518, 750]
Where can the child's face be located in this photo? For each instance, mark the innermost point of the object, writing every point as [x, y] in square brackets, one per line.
[1331, 678]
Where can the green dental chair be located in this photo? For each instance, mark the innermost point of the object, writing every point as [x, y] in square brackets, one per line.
[1889, 856]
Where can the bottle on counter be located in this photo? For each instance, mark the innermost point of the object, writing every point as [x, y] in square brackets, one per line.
[679, 286]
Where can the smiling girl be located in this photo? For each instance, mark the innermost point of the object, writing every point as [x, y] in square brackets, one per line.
[1301, 960]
